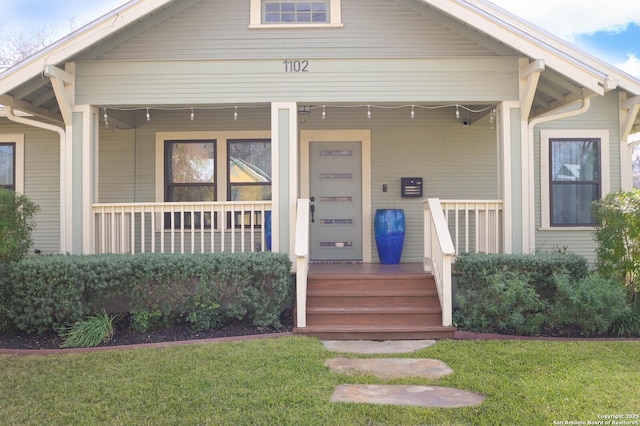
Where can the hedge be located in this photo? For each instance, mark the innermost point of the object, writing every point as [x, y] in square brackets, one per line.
[44, 293]
[546, 293]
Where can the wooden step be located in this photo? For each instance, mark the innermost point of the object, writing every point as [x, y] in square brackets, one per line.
[373, 302]
[377, 332]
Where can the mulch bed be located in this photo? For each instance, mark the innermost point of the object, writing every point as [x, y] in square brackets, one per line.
[123, 335]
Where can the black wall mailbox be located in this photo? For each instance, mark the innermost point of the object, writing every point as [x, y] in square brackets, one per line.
[411, 187]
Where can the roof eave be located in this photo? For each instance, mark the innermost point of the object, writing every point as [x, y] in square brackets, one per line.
[76, 42]
[532, 41]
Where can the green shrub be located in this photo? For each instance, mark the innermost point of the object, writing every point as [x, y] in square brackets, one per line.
[17, 221]
[504, 302]
[540, 268]
[528, 294]
[589, 305]
[89, 332]
[48, 292]
[627, 324]
[618, 238]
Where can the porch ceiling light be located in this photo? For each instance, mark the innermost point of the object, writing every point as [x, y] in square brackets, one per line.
[235, 114]
[457, 111]
[193, 116]
[413, 112]
[148, 115]
[106, 117]
[368, 111]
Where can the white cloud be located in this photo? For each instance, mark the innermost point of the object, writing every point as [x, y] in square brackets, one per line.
[631, 66]
[566, 18]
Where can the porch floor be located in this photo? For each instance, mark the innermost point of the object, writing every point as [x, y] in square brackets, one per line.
[359, 301]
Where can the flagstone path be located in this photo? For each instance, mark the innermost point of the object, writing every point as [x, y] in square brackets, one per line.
[394, 368]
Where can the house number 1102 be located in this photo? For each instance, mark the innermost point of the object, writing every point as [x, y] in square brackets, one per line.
[296, 66]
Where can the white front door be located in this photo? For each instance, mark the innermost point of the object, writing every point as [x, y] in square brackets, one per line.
[335, 192]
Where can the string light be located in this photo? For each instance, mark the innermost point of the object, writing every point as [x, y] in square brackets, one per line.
[490, 109]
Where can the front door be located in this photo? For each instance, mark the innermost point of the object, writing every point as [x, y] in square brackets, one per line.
[335, 189]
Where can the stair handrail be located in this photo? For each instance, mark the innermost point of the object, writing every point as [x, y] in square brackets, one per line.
[301, 251]
[438, 254]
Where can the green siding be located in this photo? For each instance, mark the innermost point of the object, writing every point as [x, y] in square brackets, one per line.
[219, 29]
[603, 114]
[328, 80]
[42, 181]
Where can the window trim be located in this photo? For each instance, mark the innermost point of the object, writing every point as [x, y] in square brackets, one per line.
[18, 140]
[335, 17]
[545, 182]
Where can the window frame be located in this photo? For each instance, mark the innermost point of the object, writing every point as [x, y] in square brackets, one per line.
[237, 220]
[546, 137]
[18, 160]
[220, 136]
[335, 17]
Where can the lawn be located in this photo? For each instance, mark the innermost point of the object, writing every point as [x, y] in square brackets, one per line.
[283, 382]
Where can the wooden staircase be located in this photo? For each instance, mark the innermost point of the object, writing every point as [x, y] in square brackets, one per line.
[372, 302]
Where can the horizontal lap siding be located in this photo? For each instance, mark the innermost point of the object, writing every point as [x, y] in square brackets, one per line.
[328, 80]
[41, 182]
[372, 28]
[601, 115]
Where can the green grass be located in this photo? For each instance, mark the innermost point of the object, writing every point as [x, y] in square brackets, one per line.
[283, 382]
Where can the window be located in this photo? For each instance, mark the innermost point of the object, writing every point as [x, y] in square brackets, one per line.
[249, 170]
[276, 13]
[190, 170]
[574, 173]
[249, 173]
[575, 180]
[8, 166]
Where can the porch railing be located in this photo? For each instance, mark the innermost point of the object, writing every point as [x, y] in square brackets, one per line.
[438, 254]
[475, 225]
[302, 261]
[203, 227]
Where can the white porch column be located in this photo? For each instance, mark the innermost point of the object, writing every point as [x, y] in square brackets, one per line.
[513, 177]
[284, 155]
[81, 179]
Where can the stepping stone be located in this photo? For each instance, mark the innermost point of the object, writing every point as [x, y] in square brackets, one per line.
[376, 347]
[419, 396]
[391, 368]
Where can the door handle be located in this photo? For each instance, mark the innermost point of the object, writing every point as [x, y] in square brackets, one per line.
[312, 209]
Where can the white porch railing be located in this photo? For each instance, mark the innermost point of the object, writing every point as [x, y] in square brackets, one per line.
[302, 261]
[203, 227]
[438, 254]
[475, 225]
[452, 227]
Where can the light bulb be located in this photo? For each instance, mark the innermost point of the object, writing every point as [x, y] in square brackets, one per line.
[324, 113]
[368, 111]
[413, 113]
[457, 112]
[235, 114]
[148, 115]
[192, 115]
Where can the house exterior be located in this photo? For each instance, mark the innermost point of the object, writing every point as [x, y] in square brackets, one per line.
[195, 125]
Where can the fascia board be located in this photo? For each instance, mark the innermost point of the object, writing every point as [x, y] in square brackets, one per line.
[77, 41]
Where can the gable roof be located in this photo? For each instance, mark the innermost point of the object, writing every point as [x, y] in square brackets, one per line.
[569, 74]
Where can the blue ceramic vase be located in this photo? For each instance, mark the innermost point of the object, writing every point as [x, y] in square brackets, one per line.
[389, 230]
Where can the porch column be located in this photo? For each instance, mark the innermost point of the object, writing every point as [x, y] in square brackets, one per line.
[284, 166]
[81, 178]
[513, 177]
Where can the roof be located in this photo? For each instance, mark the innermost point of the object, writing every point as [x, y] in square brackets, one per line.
[569, 73]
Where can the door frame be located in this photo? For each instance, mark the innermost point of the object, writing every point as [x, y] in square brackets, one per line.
[364, 138]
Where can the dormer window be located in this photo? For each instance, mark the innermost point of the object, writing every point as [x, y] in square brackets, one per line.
[286, 12]
[291, 13]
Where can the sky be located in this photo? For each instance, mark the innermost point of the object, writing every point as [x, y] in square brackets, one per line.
[608, 29]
